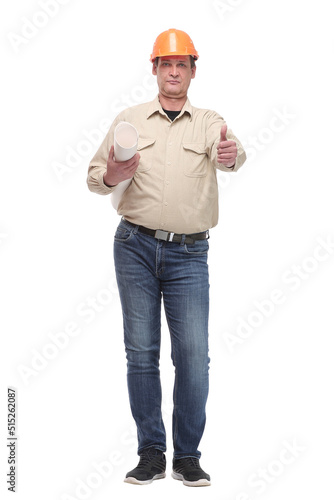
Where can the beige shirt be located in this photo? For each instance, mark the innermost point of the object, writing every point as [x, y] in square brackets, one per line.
[175, 185]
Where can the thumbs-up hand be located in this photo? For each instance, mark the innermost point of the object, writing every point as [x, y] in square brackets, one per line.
[226, 150]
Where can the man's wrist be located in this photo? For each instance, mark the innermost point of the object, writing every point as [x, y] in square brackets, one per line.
[106, 182]
[229, 166]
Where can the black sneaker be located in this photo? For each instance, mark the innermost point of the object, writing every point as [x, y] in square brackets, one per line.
[189, 471]
[152, 465]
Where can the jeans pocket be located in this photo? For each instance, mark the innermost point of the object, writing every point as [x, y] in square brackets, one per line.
[199, 247]
[123, 233]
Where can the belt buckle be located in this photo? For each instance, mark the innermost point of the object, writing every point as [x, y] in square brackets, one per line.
[161, 235]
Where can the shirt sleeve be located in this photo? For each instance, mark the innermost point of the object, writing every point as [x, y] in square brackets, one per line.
[215, 123]
[98, 164]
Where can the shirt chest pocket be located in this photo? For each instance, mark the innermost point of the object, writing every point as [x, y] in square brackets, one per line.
[145, 149]
[195, 159]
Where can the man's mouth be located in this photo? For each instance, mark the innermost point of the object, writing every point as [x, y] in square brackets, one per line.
[173, 81]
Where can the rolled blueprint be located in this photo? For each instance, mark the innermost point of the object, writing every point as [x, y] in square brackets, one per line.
[125, 147]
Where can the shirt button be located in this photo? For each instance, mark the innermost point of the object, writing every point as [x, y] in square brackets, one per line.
[167, 183]
[166, 203]
[168, 163]
[162, 223]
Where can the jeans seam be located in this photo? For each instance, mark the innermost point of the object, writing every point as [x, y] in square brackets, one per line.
[163, 248]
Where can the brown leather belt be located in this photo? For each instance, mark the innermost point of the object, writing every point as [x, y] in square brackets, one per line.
[159, 234]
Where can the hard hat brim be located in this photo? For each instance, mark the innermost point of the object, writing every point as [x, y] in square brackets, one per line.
[153, 57]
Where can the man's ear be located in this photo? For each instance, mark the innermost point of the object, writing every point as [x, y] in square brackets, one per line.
[154, 69]
[193, 72]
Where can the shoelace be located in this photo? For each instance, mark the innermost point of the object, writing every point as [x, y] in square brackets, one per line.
[193, 462]
[145, 458]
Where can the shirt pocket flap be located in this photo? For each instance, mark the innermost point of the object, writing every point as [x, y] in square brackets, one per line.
[144, 143]
[197, 147]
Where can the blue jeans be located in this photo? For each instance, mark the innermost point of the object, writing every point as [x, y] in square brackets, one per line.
[147, 270]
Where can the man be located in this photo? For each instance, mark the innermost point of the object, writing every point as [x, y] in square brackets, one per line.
[160, 251]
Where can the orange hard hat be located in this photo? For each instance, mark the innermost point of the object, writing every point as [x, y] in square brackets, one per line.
[173, 43]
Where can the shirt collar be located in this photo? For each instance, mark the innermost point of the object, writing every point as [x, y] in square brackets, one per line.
[155, 107]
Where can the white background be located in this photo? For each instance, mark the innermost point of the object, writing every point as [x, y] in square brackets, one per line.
[271, 381]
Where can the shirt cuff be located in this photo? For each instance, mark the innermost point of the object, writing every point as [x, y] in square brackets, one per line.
[96, 183]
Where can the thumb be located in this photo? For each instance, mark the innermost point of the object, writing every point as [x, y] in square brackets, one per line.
[223, 133]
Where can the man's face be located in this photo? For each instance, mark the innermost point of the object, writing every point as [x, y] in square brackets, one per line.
[174, 74]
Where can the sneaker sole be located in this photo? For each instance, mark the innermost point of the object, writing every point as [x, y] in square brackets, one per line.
[133, 480]
[200, 482]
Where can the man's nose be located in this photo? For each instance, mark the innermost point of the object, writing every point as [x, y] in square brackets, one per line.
[174, 71]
